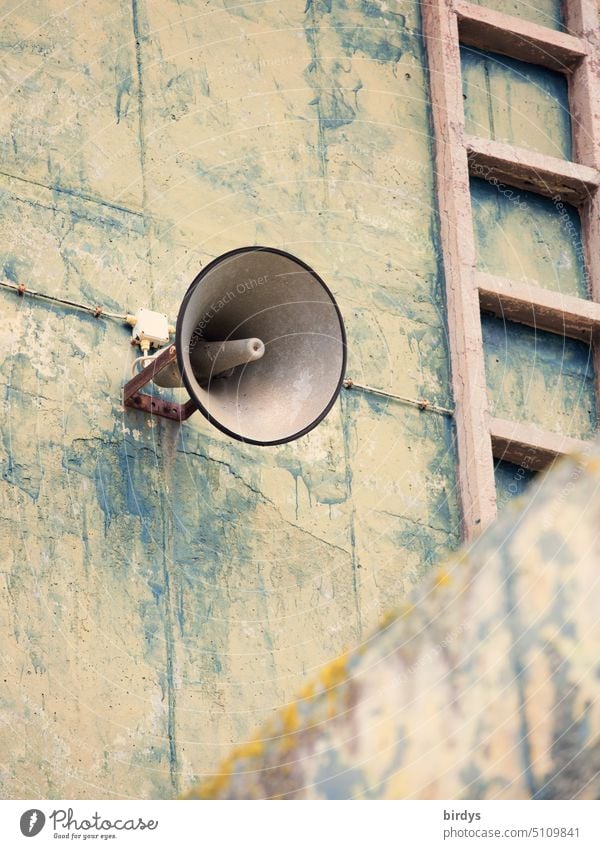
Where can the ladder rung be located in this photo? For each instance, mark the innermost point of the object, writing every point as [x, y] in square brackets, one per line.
[541, 308]
[530, 446]
[517, 38]
[535, 172]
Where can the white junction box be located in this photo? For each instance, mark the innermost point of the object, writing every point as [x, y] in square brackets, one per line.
[150, 329]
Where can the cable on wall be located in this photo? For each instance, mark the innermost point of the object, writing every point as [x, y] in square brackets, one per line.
[421, 403]
[101, 312]
[95, 310]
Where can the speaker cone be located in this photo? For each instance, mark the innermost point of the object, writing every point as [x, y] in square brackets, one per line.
[286, 369]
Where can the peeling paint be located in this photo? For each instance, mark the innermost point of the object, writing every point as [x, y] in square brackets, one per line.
[166, 590]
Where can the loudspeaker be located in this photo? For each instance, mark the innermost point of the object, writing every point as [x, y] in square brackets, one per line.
[261, 345]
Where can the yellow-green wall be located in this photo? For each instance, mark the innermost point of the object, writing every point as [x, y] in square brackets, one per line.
[165, 589]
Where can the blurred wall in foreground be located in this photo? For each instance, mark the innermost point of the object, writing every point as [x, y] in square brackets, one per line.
[483, 686]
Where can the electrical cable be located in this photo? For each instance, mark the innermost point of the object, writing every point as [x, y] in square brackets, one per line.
[422, 404]
[141, 360]
[97, 311]
[101, 312]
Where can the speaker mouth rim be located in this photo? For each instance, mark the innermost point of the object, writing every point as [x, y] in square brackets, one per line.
[187, 383]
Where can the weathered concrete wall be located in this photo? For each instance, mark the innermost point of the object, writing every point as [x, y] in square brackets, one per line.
[163, 589]
[547, 13]
[514, 102]
[509, 220]
[539, 377]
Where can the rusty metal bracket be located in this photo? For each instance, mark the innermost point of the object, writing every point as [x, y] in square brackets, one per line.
[137, 400]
